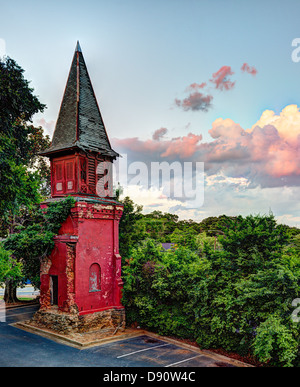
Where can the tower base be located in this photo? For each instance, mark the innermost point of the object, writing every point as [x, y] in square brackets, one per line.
[108, 321]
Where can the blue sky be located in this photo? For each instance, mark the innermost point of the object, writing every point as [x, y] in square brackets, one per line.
[142, 55]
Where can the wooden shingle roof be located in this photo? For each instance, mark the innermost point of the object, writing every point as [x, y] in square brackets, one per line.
[80, 124]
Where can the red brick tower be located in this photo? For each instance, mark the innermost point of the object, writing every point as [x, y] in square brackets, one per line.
[81, 280]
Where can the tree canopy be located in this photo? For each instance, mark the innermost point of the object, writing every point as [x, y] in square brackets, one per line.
[20, 142]
[24, 175]
[231, 288]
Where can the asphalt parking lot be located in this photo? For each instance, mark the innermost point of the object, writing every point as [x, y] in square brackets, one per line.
[19, 348]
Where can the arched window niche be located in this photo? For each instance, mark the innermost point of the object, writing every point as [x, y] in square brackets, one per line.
[95, 278]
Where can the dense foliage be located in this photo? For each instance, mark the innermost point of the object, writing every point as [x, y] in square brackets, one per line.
[232, 290]
[24, 175]
[19, 141]
[35, 241]
[9, 267]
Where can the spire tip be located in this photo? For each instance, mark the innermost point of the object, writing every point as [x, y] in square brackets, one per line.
[78, 48]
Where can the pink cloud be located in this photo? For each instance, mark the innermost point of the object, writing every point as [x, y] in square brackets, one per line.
[196, 86]
[136, 146]
[221, 80]
[183, 147]
[180, 147]
[225, 128]
[251, 70]
[265, 155]
[195, 101]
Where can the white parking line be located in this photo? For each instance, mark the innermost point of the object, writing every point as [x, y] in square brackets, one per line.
[4, 316]
[17, 307]
[142, 350]
[182, 361]
[11, 315]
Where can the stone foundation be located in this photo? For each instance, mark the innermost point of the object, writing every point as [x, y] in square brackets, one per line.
[65, 323]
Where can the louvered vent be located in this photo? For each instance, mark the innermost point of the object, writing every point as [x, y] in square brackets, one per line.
[92, 172]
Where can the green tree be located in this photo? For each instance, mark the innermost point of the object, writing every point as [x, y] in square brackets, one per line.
[9, 267]
[153, 228]
[249, 280]
[186, 237]
[129, 232]
[159, 288]
[18, 145]
[204, 241]
[34, 242]
[23, 175]
[237, 296]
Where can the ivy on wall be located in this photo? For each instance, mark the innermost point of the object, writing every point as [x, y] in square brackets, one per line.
[33, 242]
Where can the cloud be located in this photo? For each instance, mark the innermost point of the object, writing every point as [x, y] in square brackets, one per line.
[266, 155]
[158, 148]
[225, 196]
[48, 126]
[199, 101]
[196, 86]
[159, 133]
[247, 170]
[232, 199]
[221, 78]
[195, 101]
[225, 128]
[287, 122]
[184, 147]
[150, 198]
[251, 70]
[289, 219]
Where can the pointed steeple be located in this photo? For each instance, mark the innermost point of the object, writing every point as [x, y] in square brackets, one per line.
[80, 124]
